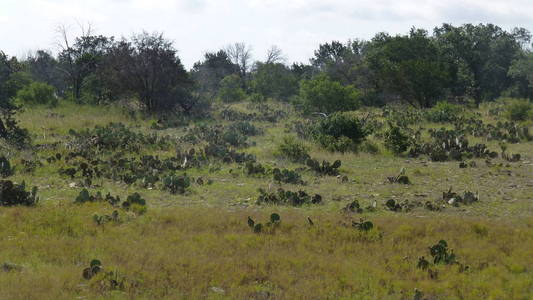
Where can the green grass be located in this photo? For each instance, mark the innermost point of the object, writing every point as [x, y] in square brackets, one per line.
[198, 245]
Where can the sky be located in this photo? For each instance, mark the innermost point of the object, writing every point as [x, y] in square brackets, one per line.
[197, 26]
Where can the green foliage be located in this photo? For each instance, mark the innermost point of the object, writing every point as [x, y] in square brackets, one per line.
[293, 149]
[176, 184]
[37, 93]
[283, 197]
[231, 89]
[444, 112]
[519, 110]
[274, 80]
[340, 131]
[12, 194]
[135, 203]
[396, 140]
[323, 95]
[409, 66]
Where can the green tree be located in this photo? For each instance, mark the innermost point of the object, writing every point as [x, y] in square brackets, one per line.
[521, 71]
[82, 58]
[230, 89]
[149, 68]
[409, 66]
[481, 56]
[9, 85]
[324, 95]
[208, 73]
[274, 80]
[37, 93]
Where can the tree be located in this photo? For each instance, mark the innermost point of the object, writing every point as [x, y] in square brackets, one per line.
[79, 60]
[323, 95]
[241, 55]
[481, 55]
[521, 71]
[44, 67]
[409, 66]
[9, 86]
[209, 73]
[274, 80]
[149, 67]
[274, 55]
[230, 89]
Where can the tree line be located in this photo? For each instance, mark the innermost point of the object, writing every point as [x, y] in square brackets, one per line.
[457, 63]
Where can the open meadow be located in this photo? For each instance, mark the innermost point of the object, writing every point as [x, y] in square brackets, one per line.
[214, 218]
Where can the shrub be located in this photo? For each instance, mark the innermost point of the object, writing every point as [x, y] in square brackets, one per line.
[341, 131]
[230, 89]
[37, 93]
[324, 95]
[396, 140]
[519, 110]
[443, 111]
[12, 194]
[293, 149]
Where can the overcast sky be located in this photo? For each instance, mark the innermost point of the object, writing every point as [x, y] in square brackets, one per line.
[196, 26]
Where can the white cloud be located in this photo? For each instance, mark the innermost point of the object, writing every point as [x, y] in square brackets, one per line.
[297, 26]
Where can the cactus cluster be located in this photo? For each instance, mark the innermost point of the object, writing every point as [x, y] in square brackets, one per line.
[253, 168]
[272, 224]
[12, 194]
[363, 225]
[85, 196]
[176, 184]
[407, 206]
[455, 199]
[287, 176]
[401, 178]
[441, 255]
[450, 145]
[324, 168]
[103, 219]
[107, 280]
[283, 197]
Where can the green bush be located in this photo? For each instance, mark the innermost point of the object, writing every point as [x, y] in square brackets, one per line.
[37, 93]
[293, 149]
[321, 94]
[231, 89]
[444, 111]
[341, 131]
[396, 140]
[519, 110]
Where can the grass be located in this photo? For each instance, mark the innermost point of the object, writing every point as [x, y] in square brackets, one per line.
[198, 245]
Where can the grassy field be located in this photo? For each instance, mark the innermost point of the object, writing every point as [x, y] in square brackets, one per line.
[197, 245]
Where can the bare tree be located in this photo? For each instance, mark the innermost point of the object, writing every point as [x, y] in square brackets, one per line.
[274, 55]
[241, 55]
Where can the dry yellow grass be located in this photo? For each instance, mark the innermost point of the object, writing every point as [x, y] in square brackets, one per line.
[197, 253]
